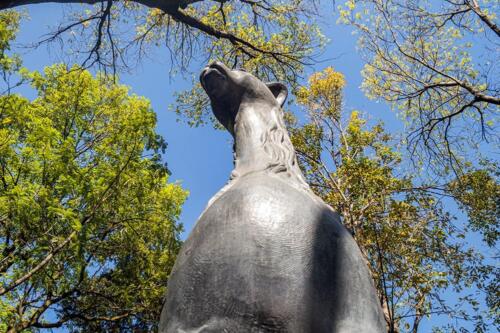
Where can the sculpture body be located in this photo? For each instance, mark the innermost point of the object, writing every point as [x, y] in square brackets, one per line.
[266, 255]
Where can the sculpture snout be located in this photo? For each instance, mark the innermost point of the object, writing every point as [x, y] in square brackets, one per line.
[213, 76]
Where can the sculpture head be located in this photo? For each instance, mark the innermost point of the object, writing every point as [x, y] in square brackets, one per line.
[230, 89]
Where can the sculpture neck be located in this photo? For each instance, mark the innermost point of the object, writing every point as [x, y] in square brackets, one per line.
[249, 151]
[262, 144]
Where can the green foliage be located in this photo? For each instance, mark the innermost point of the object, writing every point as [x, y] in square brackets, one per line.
[88, 226]
[410, 240]
[478, 193]
[9, 24]
[431, 61]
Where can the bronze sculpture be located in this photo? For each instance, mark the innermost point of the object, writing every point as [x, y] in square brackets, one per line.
[266, 255]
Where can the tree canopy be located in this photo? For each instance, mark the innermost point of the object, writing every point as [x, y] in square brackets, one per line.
[277, 37]
[273, 39]
[88, 230]
[437, 63]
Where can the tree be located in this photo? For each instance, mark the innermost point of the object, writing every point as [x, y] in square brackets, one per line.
[273, 39]
[88, 231]
[276, 36]
[437, 64]
[412, 243]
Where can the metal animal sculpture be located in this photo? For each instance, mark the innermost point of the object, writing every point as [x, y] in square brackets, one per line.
[266, 255]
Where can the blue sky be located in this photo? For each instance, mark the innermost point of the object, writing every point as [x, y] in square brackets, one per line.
[201, 158]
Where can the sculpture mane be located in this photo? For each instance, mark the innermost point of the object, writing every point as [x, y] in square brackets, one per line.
[282, 158]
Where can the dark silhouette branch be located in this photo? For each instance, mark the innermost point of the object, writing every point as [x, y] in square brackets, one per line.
[159, 4]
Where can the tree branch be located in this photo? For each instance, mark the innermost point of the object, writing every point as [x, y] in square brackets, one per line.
[159, 4]
[40, 265]
[474, 6]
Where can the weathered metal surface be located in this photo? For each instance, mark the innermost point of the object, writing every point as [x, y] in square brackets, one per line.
[266, 255]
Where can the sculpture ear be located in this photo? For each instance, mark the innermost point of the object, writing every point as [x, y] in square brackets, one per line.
[279, 91]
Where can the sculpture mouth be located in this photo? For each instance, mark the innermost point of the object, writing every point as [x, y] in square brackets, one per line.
[212, 76]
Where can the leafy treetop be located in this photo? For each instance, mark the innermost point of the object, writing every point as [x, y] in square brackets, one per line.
[88, 229]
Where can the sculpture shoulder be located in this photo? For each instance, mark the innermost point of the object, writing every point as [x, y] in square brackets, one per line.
[262, 196]
[269, 214]
[253, 189]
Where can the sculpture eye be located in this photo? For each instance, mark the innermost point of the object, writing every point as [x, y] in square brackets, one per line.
[243, 70]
